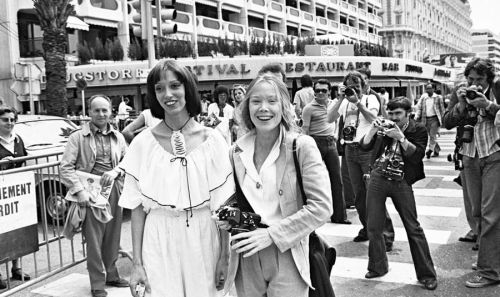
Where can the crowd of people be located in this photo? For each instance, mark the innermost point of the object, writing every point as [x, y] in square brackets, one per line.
[188, 159]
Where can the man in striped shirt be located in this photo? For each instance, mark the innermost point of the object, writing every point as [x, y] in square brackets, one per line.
[481, 158]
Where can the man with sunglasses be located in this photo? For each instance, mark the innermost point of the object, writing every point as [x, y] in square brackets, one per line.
[320, 126]
[11, 146]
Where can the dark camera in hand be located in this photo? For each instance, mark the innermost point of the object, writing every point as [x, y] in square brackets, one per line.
[348, 133]
[472, 94]
[240, 221]
[349, 92]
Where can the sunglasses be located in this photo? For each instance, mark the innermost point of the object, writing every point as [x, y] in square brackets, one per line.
[324, 91]
[7, 120]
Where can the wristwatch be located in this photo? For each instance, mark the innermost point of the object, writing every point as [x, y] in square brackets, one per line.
[402, 139]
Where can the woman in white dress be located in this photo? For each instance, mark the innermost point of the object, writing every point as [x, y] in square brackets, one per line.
[238, 128]
[177, 173]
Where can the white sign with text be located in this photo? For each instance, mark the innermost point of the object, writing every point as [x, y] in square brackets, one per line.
[17, 201]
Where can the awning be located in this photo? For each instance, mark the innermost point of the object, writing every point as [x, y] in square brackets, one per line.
[207, 2]
[229, 7]
[75, 23]
[99, 22]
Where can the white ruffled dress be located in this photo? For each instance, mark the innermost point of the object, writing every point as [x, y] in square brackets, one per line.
[181, 243]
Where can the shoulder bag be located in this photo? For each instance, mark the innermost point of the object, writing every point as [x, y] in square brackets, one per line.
[321, 256]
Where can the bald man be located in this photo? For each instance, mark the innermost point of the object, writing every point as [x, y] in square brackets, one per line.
[97, 148]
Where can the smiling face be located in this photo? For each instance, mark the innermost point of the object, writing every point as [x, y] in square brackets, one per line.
[265, 107]
[170, 93]
[100, 111]
[239, 95]
[7, 122]
[322, 92]
[222, 99]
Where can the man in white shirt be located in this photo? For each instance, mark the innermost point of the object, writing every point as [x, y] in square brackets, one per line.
[430, 111]
[123, 109]
[303, 96]
[360, 111]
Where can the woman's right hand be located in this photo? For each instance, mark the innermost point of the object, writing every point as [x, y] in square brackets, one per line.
[138, 276]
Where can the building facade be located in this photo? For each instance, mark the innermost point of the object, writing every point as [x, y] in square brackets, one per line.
[417, 29]
[486, 44]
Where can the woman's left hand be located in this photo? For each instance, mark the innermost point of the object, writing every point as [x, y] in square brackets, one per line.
[221, 272]
[251, 242]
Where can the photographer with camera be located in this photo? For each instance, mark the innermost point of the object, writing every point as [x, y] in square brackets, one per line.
[478, 104]
[429, 111]
[360, 111]
[399, 146]
[271, 258]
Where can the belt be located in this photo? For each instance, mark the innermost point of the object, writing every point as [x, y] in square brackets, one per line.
[353, 144]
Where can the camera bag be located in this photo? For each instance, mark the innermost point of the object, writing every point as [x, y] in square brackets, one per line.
[321, 255]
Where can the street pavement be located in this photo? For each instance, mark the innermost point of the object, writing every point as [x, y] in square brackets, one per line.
[440, 211]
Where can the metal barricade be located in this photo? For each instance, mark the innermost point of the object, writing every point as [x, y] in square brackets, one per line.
[55, 253]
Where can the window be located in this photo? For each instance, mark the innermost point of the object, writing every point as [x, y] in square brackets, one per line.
[398, 19]
[30, 36]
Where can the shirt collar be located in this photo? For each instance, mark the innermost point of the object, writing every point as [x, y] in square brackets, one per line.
[246, 146]
[10, 139]
[95, 130]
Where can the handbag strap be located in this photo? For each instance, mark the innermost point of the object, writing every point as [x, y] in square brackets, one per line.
[297, 170]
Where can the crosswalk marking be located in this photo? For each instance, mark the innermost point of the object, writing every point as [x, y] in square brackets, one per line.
[422, 210]
[438, 192]
[403, 273]
[433, 236]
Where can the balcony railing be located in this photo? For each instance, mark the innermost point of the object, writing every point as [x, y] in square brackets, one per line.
[293, 14]
[321, 21]
[345, 5]
[208, 26]
[362, 12]
[335, 2]
[307, 16]
[353, 8]
[334, 24]
[234, 30]
[257, 5]
[345, 28]
[354, 30]
[258, 32]
[184, 22]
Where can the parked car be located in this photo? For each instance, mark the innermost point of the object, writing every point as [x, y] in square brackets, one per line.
[44, 135]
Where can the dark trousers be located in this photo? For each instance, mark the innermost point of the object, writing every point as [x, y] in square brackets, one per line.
[103, 242]
[346, 183]
[358, 162]
[329, 154]
[404, 202]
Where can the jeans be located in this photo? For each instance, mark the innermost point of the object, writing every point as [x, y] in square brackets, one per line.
[432, 127]
[482, 176]
[346, 183]
[468, 202]
[404, 202]
[358, 162]
[329, 154]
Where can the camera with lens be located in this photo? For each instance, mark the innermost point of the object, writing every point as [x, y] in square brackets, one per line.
[387, 124]
[472, 94]
[240, 221]
[467, 134]
[348, 133]
[391, 167]
[349, 92]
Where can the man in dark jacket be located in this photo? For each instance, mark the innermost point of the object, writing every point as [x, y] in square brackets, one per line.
[399, 146]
